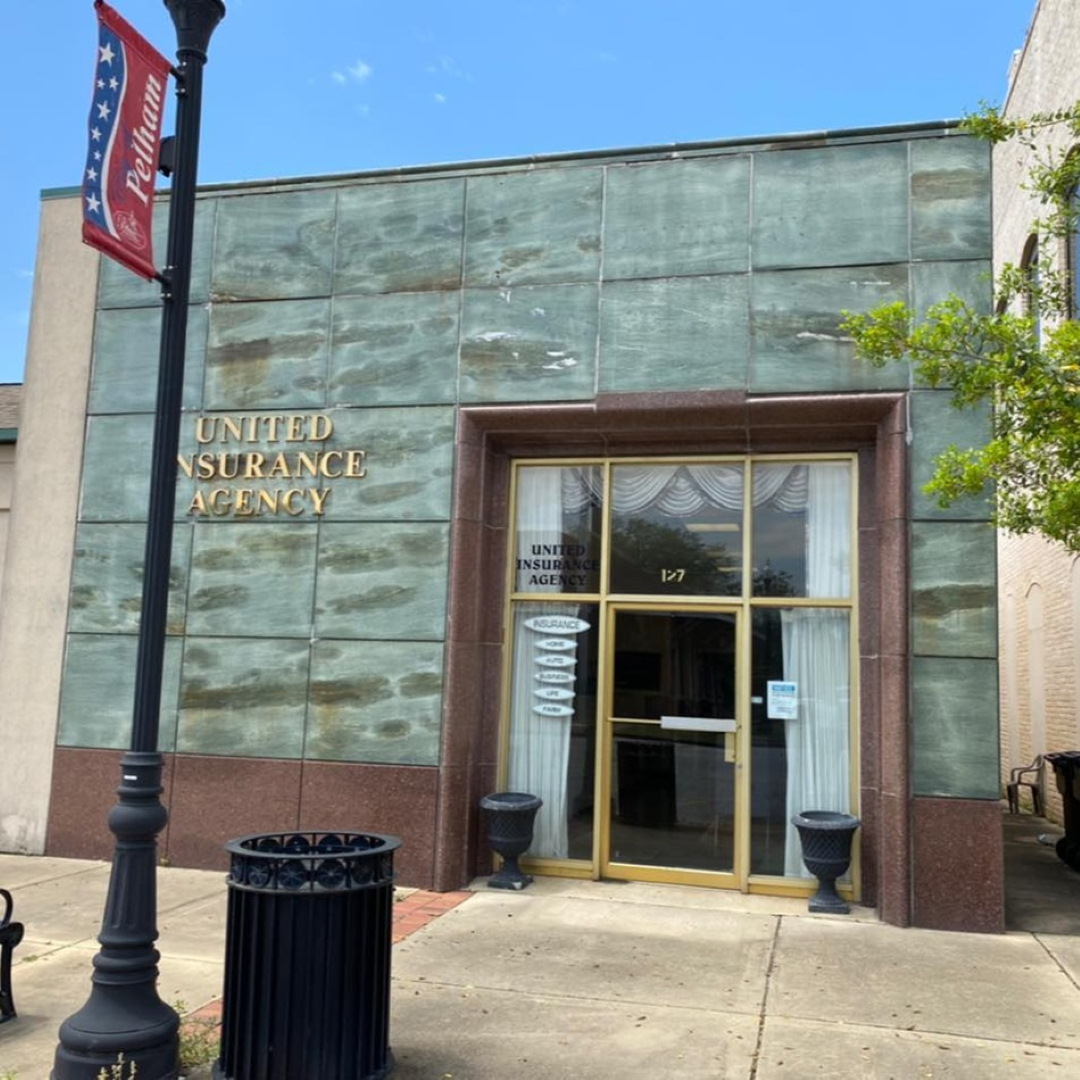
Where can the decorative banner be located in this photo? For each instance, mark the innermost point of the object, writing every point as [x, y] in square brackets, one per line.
[124, 136]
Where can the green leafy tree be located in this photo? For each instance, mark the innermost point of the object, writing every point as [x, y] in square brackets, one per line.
[1022, 358]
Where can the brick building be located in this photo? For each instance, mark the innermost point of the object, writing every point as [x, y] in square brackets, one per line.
[1039, 609]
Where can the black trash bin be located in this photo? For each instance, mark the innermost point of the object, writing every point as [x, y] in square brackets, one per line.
[307, 957]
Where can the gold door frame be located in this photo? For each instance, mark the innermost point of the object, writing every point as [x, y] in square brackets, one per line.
[605, 868]
[744, 606]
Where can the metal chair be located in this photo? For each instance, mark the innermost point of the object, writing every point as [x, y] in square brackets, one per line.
[1017, 781]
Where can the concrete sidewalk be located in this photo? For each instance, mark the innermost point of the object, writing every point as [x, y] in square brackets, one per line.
[599, 981]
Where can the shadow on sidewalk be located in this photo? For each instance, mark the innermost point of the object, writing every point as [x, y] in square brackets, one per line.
[1042, 894]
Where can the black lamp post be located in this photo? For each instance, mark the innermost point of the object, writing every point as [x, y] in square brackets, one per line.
[124, 1014]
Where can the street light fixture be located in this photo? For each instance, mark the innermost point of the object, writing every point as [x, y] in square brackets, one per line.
[124, 1014]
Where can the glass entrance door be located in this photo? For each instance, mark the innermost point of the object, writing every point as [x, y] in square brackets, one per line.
[670, 745]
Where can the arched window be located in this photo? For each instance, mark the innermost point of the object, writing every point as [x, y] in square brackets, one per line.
[1072, 257]
[1029, 264]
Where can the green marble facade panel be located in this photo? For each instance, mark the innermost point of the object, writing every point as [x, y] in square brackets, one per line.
[530, 343]
[107, 579]
[677, 334]
[932, 282]
[245, 697]
[375, 701]
[533, 228]
[671, 218]
[955, 727]
[252, 579]
[950, 199]
[127, 349]
[409, 462]
[270, 355]
[274, 246]
[382, 580]
[119, 287]
[98, 691]
[116, 470]
[796, 342]
[954, 589]
[935, 425]
[400, 237]
[835, 206]
[396, 349]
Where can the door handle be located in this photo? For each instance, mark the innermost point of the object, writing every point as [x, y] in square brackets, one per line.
[697, 723]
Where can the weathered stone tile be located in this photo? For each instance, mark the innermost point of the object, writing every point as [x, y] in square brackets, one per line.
[936, 425]
[676, 334]
[274, 246]
[531, 343]
[107, 579]
[383, 581]
[98, 692]
[116, 470]
[268, 355]
[671, 218]
[252, 579]
[535, 227]
[954, 589]
[950, 199]
[119, 287]
[400, 237]
[932, 282]
[243, 696]
[127, 352]
[375, 701]
[834, 206]
[954, 717]
[796, 342]
[395, 349]
[409, 464]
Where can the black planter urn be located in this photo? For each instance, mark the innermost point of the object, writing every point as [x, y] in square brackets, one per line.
[826, 850]
[510, 817]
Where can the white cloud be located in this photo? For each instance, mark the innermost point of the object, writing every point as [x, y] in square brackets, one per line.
[447, 66]
[358, 72]
[440, 99]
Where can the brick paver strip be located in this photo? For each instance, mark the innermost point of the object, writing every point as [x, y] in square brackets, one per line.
[411, 913]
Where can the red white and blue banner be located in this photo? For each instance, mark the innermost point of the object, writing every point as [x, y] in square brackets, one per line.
[124, 136]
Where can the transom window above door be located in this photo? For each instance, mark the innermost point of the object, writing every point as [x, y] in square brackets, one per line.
[751, 528]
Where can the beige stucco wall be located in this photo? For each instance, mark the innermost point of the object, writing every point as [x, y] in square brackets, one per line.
[1039, 581]
[41, 528]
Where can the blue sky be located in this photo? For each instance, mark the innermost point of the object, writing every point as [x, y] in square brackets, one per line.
[295, 89]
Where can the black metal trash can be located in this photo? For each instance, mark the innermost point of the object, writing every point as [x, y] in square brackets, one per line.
[1066, 766]
[307, 957]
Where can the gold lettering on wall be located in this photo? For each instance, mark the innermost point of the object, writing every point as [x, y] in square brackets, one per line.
[242, 462]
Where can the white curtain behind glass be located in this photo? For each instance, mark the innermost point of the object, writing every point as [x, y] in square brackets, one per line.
[539, 745]
[817, 658]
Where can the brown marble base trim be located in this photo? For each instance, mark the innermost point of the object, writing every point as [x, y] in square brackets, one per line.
[215, 799]
[490, 437]
[84, 784]
[958, 869]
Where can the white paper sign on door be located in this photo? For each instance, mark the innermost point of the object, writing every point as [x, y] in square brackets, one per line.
[783, 700]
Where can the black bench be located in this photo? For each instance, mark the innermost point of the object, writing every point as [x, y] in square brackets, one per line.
[11, 933]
